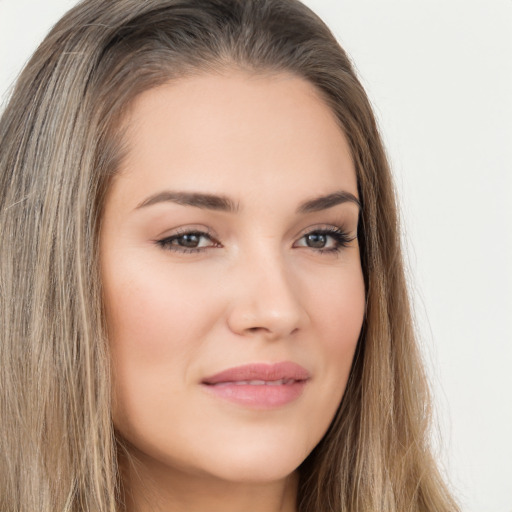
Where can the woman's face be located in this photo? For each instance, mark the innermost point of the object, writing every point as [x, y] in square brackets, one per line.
[232, 279]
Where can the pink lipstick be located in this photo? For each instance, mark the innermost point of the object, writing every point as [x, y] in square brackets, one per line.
[260, 386]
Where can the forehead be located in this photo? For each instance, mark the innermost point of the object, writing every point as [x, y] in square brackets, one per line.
[223, 132]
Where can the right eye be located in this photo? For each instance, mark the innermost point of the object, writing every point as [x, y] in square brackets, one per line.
[188, 242]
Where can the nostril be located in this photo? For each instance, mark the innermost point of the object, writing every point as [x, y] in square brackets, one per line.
[256, 329]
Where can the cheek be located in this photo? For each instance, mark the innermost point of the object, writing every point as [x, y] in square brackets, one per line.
[154, 310]
[156, 326]
[337, 316]
[346, 319]
[337, 306]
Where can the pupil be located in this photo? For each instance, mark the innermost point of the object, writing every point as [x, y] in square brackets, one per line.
[189, 240]
[316, 240]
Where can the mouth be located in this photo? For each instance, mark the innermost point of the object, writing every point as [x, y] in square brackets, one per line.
[259, 386]
[280, 382]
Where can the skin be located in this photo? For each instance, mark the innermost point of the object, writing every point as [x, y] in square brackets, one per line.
[257, 292]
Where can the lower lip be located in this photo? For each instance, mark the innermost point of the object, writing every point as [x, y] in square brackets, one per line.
[258, 397]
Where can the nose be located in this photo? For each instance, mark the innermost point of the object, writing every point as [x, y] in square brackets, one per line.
[266, 300]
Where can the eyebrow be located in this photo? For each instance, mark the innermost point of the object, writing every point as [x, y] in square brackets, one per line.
[325, 202]
[197, 199]
[225, 204]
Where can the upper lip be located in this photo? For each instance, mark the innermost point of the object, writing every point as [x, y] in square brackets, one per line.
[260, 371]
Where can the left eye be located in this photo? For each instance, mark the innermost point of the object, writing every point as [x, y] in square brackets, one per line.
[327, 240]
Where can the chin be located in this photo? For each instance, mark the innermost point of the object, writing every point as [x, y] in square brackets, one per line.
[256, 471]
[257, 462]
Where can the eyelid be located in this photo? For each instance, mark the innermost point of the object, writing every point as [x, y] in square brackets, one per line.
[185, 229]
[328, 228]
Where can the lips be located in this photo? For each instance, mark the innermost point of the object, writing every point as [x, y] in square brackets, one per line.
[259, 386]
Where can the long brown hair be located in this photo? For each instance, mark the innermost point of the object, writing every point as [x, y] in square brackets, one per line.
[60, 145]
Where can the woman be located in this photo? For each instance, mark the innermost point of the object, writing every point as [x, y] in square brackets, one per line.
[202, 294]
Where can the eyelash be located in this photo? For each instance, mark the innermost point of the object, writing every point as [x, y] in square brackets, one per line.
[166, 243]
[338, 234]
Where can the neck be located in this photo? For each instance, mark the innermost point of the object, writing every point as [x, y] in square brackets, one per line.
[168, 490]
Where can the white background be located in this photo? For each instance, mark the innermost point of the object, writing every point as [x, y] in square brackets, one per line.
[439, 73]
